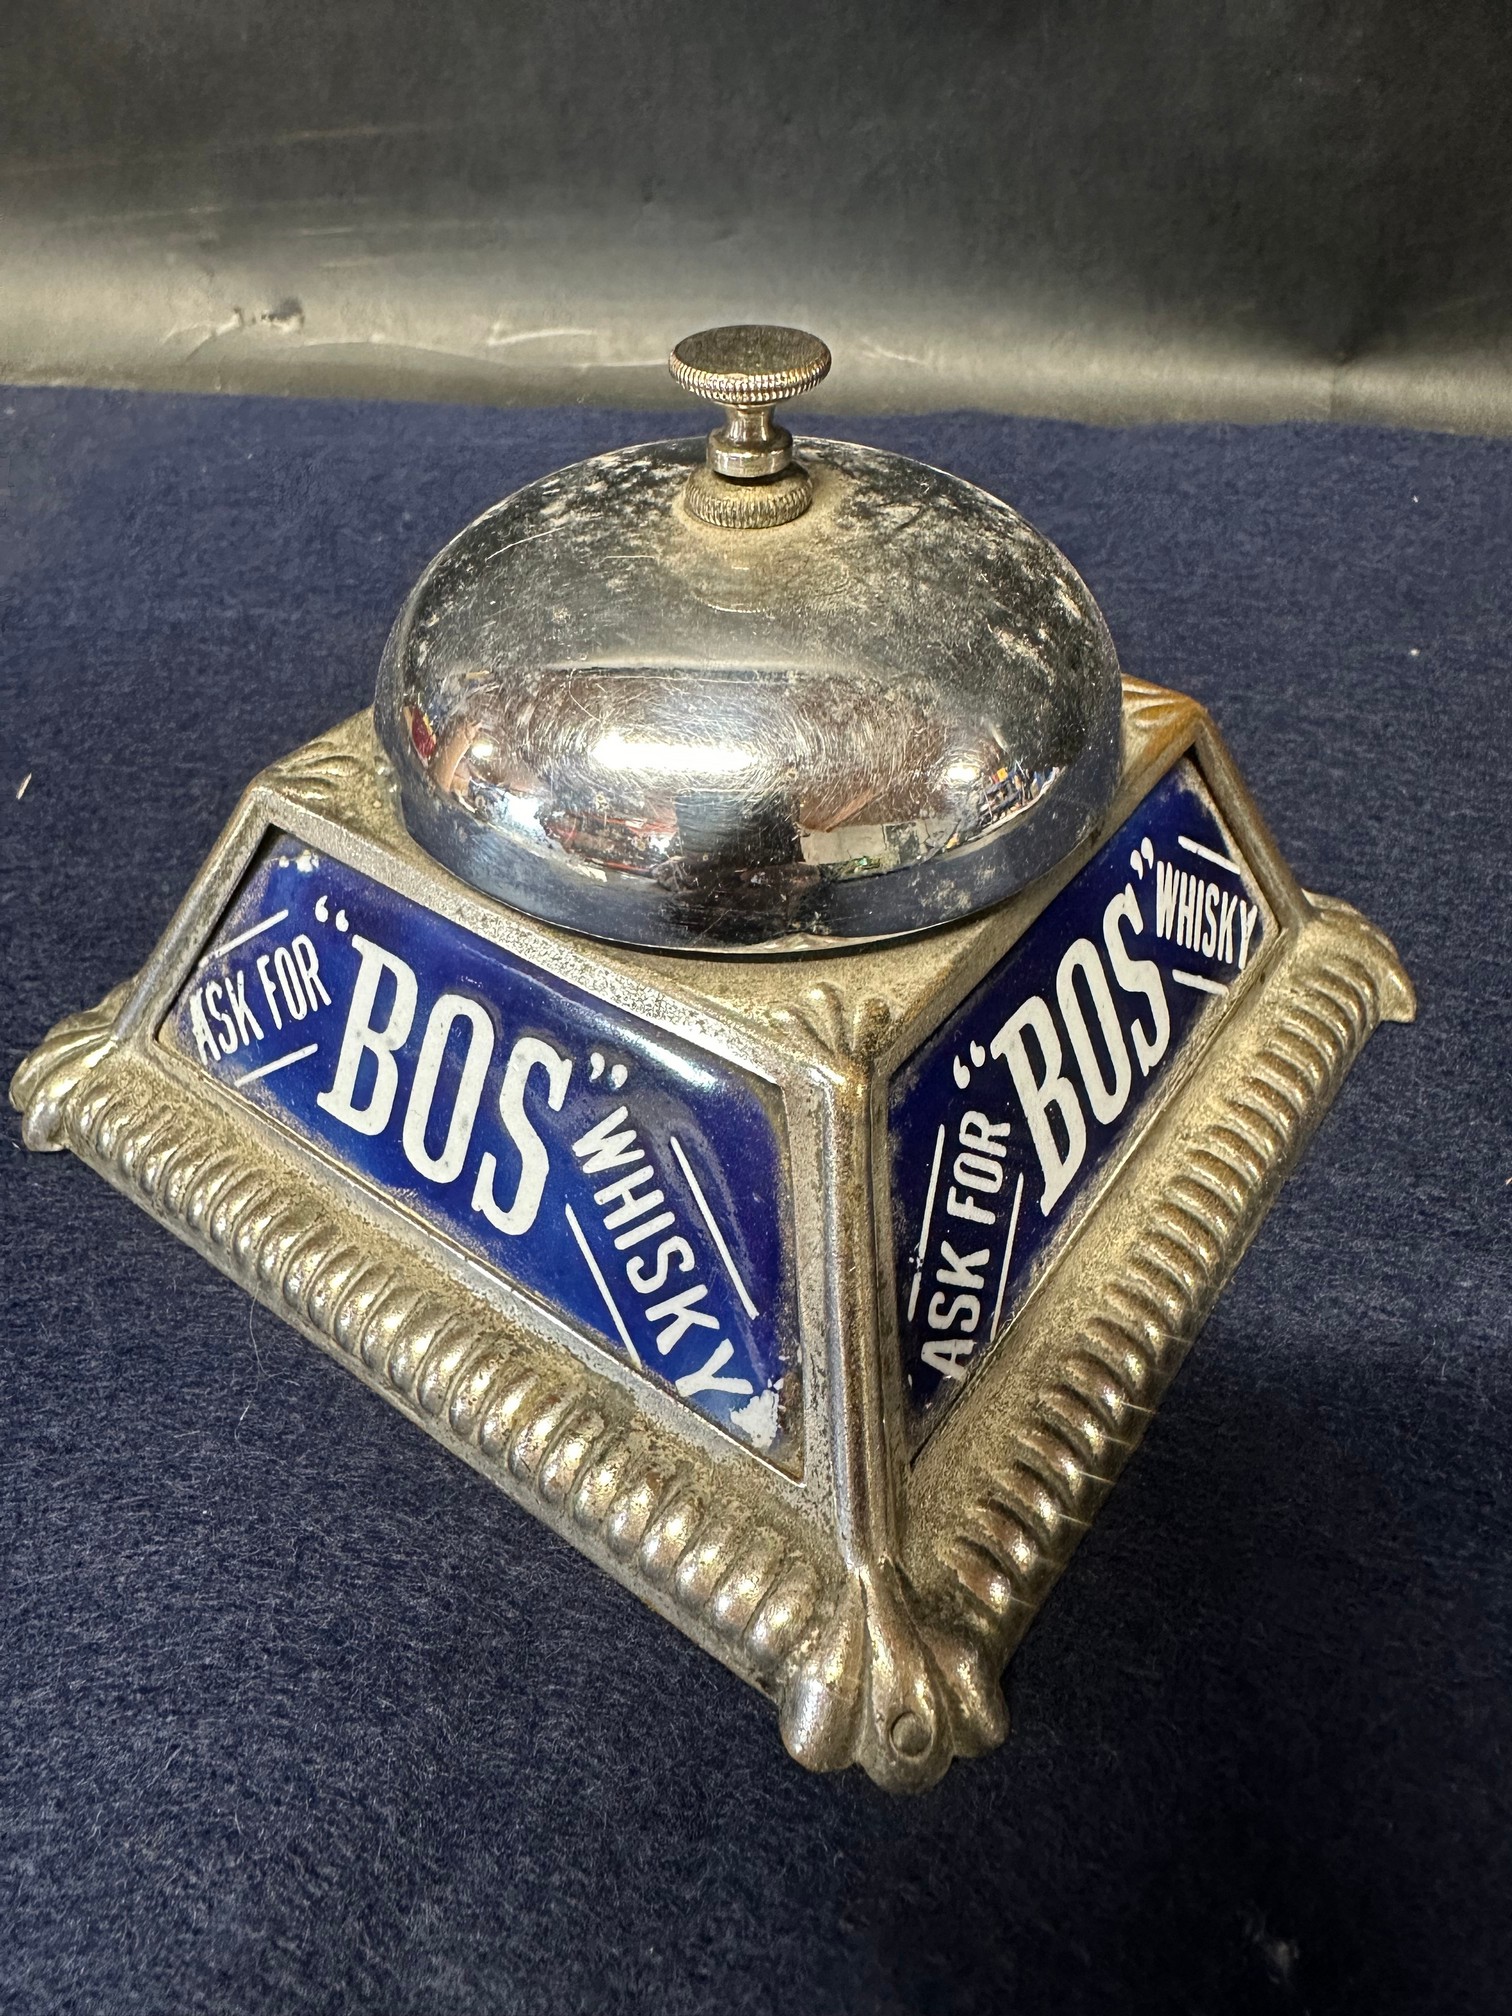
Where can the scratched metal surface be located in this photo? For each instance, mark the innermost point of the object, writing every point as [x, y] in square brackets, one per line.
[879, 718]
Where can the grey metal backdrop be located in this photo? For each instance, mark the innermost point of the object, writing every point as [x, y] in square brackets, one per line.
[1106, 208]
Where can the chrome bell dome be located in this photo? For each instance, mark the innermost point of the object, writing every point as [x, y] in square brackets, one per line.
[750, 695]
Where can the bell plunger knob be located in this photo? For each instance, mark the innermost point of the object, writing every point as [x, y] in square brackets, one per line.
[750, 479]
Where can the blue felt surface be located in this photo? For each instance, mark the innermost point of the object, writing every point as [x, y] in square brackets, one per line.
[301, 1714]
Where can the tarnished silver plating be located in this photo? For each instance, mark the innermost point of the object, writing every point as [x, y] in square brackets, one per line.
[749, 481]
[875, 1599]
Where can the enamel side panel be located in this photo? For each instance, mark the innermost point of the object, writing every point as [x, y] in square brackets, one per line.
[1004, 1124]
[630, 1184]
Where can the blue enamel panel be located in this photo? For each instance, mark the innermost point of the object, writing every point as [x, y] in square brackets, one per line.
[1001, 1125]
[631, 1183]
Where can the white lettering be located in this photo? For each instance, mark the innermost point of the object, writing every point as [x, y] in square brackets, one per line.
[1137, 976]
[270, 992]
[1226, 929]
[962, 1207]
[600, 1148]
[1210, 919]
[977, 1131]
[1186, 912]
[705, 1379]
[289, 981]
[647, 1284]
[947, 1355]
[962, 1271]
[1106, 1100]
[204, 1041]
[248, 1028]
[1249, 916]
[309, 966]
[630, 1206]
[1165, 899]
[535, 1165]
[361, 1038]
[647, 1231]
[447, 1166]
[684, 1313]
[1039, 1096]
[978, 1172]
[227, 1026]
[967, 1307]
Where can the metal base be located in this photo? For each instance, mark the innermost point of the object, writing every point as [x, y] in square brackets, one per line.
[876, 1599]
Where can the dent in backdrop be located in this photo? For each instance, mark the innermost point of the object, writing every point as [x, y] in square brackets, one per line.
[1095, 209]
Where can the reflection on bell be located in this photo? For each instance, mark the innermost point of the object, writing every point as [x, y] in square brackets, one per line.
[761, 1041]
[916, 677]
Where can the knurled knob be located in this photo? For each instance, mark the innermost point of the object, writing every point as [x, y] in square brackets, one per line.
[750, 479]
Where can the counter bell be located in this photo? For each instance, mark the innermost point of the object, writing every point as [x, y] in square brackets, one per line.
[761, 1040]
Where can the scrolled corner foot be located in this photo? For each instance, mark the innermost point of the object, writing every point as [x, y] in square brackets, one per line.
[899, 1695]
[68, 1052]
[1374, 954]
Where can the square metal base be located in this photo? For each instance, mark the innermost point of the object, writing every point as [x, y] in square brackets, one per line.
[876, 1597]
